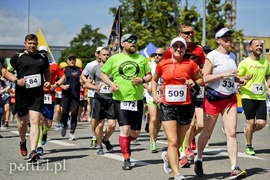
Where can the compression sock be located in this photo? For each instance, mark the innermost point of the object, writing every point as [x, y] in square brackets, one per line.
[124, 143]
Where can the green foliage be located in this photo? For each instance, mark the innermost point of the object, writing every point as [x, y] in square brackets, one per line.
[153, 21]
[157, 21]
[84, 45]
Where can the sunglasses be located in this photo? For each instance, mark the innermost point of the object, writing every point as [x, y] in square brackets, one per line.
[131, 41]
[72, 59]
[188, 32]
[157, 54]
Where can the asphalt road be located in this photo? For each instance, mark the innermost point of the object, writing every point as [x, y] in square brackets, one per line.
[64, 159]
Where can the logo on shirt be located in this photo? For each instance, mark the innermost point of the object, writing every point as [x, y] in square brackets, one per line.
[129, 69]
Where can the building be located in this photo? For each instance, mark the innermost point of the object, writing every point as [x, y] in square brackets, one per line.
[7, 51]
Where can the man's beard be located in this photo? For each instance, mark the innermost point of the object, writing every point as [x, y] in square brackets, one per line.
[131, 50]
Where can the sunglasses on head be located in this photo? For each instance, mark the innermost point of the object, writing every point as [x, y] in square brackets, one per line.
[188, 32]
[157, 54]
[131, 40]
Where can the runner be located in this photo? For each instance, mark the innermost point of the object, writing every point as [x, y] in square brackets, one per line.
[129, 70]
[179, 76]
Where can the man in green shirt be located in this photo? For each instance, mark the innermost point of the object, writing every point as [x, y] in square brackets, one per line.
[129, 70]
[256, 70]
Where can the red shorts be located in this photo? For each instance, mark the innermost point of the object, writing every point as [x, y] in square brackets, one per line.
[215, 107]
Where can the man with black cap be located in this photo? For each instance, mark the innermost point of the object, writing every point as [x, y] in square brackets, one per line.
[129, 70]
[70, 96]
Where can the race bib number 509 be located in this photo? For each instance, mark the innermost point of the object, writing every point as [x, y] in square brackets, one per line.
[176, 93]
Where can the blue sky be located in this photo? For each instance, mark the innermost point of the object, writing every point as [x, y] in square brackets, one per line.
[61, 20]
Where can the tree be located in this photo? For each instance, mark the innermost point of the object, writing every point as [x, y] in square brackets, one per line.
[153, 21]
[84, 44]
[157, 21]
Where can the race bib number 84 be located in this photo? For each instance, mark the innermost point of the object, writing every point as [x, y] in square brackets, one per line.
[33, 81]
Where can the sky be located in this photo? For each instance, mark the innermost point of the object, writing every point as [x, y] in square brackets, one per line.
[61, 20]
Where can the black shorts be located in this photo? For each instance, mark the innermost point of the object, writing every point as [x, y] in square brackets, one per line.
[131, 118]
[254, 108]
[28, 101]
[181, 113]
[58, 101]
[103, 108]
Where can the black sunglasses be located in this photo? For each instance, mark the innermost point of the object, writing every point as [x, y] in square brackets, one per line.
[188, 32]
[157, 54]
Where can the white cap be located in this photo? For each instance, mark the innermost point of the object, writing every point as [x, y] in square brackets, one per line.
[180, 39]
[43, 48]
[223, 31]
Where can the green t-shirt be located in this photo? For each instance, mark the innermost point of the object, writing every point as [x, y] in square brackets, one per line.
[123, 67]
[255, 87]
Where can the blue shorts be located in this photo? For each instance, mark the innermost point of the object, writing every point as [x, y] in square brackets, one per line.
[48, 110]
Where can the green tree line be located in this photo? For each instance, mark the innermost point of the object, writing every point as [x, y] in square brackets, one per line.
[154, 21]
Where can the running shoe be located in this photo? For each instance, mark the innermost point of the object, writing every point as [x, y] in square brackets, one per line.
[40, 151]
[58, 128]
[108, 145]
[100, 150]
[189, 154]
[193, 144]
[250, 151]
[198, 168]
[33, 156]
[44, 138]
[153, 147]
[93, 143]
[126, 164]
[237, 173]
[179, 177]
[23, 148]
[166, 164]
[6, 124]
[72, 137]
[184, 162]
[64, 131]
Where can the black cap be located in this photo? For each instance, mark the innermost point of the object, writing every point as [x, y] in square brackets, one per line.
[206, 49]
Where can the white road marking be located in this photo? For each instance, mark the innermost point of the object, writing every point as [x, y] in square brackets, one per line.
[120, 158]
[222, 151]
[62, 143]
[17, 132]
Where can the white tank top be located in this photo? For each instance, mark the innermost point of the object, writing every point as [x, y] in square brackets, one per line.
[222, 63]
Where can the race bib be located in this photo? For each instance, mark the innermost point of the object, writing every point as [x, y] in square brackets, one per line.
[226, 86]
[47, 99]
[201, 93]
[257, 88]
[176, 93]
[58, 94]
[129, 105]
[33, 81]
[81, 97]
[105, 88]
